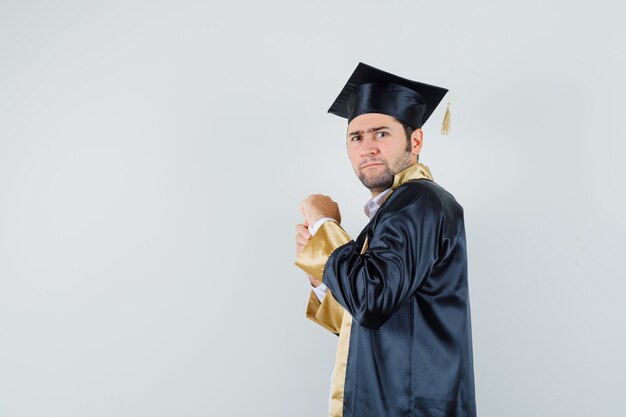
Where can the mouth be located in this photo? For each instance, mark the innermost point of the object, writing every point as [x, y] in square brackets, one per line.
[371, 164]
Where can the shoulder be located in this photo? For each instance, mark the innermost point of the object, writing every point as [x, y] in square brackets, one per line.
[427, 194]
[422, 205]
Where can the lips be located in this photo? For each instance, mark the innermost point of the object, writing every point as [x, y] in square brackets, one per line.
[370, 164]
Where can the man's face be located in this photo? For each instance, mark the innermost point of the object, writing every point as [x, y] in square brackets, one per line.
[378, 149]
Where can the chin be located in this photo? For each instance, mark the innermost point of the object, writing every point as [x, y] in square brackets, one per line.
[377, 182]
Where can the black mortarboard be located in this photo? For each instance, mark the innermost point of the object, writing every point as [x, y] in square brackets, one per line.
[370, 90]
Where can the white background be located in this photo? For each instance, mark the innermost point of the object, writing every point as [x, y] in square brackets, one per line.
[153, 153]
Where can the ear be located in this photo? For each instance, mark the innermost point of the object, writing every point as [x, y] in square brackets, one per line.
[416, 141]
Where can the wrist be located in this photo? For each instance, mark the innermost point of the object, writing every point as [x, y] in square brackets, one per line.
[313, 228]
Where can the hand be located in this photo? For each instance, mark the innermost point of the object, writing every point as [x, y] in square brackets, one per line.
[302, 237]
[317, 206]
[314, 281]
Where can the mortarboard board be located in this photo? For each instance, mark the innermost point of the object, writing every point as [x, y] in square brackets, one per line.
[370, 90]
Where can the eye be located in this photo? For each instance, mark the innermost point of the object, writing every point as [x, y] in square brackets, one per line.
[381, 134]
[355, 138]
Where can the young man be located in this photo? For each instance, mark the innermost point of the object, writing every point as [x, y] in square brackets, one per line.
[397, 296]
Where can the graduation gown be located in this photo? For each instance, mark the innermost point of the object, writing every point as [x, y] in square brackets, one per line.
[398, 299]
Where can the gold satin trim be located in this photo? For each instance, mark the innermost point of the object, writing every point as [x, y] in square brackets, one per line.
[365, 245]
[328, 313]
[414, 172]
[313, 257]
[341, 362]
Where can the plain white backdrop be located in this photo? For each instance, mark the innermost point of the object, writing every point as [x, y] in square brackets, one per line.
[153, 153]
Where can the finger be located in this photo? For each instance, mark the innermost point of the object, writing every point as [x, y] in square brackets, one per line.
[303, 231]
[301, 240]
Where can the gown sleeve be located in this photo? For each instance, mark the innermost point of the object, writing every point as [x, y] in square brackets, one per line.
[327, 313]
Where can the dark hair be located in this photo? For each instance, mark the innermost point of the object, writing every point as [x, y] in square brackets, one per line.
[408, 131]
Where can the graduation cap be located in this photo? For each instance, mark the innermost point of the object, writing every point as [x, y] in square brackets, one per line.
[370, 90]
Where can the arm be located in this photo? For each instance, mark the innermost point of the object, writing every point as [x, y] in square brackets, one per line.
[404, 245]
[325, 310]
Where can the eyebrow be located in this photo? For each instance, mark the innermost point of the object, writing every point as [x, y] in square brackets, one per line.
[371, 129]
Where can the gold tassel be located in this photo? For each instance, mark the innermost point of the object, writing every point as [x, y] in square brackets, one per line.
[445, 126]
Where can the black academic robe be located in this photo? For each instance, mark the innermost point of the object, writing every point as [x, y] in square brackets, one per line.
[404, 284]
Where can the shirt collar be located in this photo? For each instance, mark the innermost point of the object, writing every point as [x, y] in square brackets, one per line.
[372, 206]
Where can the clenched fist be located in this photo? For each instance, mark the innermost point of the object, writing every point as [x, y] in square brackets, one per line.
[317, 206]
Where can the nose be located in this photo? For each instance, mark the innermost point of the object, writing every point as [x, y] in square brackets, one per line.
[369, 148]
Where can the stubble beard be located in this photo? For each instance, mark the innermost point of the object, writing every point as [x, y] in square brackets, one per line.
[382, 180]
